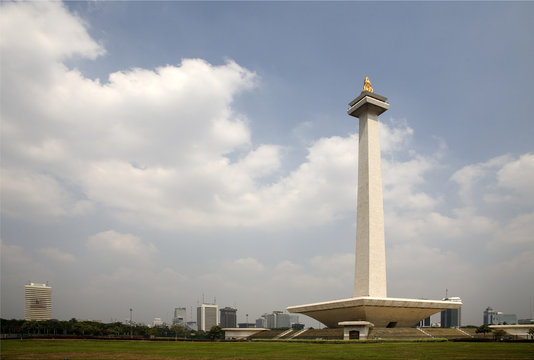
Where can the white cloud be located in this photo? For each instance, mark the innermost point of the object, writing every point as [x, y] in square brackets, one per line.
[519, 231]
[153, 146]
[401, 180]
[58, 255]
[112, 243]
[395, 135]
[337, 264]
[54, 35]
[38, 197]
[470, 176]
[247, 265]
[262, 161]
[518, 176]
[410, 265]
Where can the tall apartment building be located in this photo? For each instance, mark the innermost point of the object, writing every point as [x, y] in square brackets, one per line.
[37, 302]
[179, 316]
[207, 316]
[228, 317]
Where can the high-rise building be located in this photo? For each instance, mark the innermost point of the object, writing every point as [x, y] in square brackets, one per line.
[158, 322]
[270, 321]
[451, 318]
[424, 323]
[282, 321]
[261, 322]
[490, 316]
[277, 320]
[179, 316]
[507, 319]
[37, 302]
[207, 316]
[228, 317]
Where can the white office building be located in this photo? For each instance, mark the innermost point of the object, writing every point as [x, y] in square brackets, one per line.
[37, 302]
[207, 316]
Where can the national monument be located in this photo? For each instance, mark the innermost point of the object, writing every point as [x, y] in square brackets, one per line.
[370, 305]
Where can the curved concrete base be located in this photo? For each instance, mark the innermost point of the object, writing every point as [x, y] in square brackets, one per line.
[240, 333]
[516, 330]
[382, 312]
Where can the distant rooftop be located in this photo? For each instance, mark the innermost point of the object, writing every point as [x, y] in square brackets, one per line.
[38, 285]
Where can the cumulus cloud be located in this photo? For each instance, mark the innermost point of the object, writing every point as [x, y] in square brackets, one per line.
[519, 231]
[247, 265]
[341, 265]
[154, 147]
[58, 255]
[38, 197]
[469, 177]
[401, 180]
[394, 136]
[113, 243]
[518, 176]
[405, 277]
[48, 30]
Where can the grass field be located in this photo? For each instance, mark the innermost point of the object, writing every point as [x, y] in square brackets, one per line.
[126, 350]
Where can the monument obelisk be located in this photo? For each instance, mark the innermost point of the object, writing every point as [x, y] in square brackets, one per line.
[370, 305]
[370, 272]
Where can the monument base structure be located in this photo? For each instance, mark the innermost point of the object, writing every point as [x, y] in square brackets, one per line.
[356, 330]
[382, 312]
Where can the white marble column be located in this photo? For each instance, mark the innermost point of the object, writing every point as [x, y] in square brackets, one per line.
[370, 272]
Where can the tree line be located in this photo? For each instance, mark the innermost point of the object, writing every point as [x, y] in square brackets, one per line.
[94, 328]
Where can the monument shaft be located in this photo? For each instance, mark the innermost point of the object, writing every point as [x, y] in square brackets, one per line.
[370, 271]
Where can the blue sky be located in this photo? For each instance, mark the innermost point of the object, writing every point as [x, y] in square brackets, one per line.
[181, 148]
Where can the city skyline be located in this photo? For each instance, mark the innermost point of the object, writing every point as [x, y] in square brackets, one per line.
[154, 152]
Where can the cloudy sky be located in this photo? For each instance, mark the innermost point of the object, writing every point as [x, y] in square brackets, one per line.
[153, 154]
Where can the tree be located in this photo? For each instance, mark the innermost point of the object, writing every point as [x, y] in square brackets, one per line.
[12, 326]
[483, 329]
[141, 330]
[30, 327]
[499, 334]
[178, 330]
[53, 326]
[215, 333]
[200, 334]
[153, 332]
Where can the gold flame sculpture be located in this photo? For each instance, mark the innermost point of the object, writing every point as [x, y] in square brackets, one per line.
[367, 85]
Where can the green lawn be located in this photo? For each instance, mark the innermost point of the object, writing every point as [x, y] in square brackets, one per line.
[100, 349]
